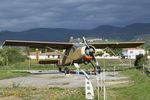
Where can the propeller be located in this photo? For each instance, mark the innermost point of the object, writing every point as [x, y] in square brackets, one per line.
[90, 51]
[85, 42]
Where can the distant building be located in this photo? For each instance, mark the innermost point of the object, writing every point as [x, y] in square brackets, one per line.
[42, 56]
[101, 50]
[105, 55]
[94, 40]
[130, 53]
[71, 39]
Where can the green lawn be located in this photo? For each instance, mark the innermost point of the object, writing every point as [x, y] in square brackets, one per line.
[43, 94]
[31, 65]
[138, 89]
[28, 65]
[9, 74]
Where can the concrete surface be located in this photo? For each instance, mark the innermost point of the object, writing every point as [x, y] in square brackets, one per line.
[45, 79]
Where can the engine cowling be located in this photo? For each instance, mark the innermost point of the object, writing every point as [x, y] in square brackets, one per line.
[79, 55]
[88, 53]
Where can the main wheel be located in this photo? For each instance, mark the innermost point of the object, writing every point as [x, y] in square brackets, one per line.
[66, 70]
[60, 69]
[98, 69]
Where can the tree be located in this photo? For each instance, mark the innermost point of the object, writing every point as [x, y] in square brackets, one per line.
[11, 55]
[2, 60]
[2, 57]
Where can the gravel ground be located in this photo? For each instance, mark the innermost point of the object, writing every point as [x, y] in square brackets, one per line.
[45, 79]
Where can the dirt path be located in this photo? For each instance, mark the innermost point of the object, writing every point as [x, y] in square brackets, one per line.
[60, 80]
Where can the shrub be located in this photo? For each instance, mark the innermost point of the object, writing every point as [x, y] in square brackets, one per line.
[113, 52]
[99, 53]
[11, 55]
[140, 61]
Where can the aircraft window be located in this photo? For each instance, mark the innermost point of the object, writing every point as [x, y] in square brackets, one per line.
[87, 51]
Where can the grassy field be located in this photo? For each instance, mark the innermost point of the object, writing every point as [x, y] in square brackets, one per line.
[9, 74]
[5, 71]
[104, 63]
[43, 94]
[138, 89]
[28, 65]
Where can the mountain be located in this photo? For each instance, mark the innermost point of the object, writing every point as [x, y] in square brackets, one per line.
[106, 28]
[61, 34]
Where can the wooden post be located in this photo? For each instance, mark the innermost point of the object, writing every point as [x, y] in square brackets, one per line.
[37, 56]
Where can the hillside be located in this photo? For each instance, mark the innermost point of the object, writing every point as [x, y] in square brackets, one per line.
[60, 34]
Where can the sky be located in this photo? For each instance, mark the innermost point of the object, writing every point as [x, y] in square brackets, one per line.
[18, 15]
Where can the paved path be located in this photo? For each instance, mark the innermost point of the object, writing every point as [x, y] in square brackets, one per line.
[56, 79]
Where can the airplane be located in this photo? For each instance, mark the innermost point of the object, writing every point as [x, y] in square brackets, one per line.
[74, 52]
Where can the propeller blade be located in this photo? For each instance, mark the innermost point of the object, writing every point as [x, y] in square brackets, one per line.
[85, 42]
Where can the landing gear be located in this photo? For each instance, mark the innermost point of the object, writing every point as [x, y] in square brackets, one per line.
[60, 69]
[98, 69]
[66, 70]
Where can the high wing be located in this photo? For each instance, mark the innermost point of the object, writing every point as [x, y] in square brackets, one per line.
[117, 45]
[38, 44]
[64, 45]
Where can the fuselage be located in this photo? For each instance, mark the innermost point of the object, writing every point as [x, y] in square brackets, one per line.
[78, 53]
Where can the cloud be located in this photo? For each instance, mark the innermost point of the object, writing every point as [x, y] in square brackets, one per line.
[20, 15]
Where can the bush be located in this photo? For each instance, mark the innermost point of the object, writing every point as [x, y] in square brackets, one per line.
[2, 60]
[113, 52]
[99, 53]
[2, 57]
[140, 61]
[11, 55]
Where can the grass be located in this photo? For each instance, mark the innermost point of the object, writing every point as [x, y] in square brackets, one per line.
[43, 94]
[10, 74]
[28, 65]
[138, 90]
[31, 65]
[109, 64]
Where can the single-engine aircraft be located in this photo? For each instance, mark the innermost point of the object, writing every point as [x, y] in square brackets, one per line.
[74, 52]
